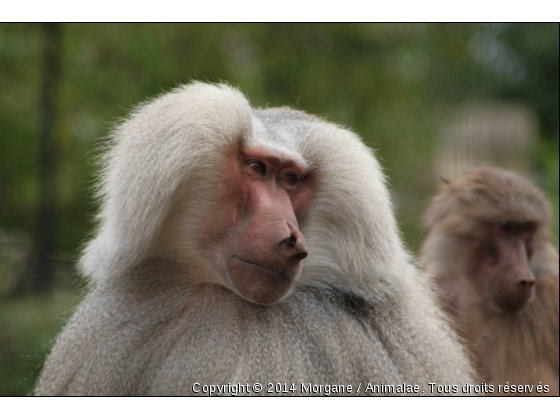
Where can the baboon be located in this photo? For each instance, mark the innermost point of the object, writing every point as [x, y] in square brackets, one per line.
[490, 249]
[241, 246]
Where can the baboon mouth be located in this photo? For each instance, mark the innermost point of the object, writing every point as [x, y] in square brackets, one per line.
[266, 267]
[514, 307]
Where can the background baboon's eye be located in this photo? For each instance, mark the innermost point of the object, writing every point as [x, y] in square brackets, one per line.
[507, 227]
[529, 226]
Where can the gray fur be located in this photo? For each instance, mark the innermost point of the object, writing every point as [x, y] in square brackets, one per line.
[158, 319]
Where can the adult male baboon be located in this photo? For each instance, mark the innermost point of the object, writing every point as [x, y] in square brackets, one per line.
[490, 250]
[208, 209]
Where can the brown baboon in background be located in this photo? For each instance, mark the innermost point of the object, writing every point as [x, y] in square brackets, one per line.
[490, 249]
[241, 245]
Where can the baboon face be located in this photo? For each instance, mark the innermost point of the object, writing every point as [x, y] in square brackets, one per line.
[254, 232]
[499, 265]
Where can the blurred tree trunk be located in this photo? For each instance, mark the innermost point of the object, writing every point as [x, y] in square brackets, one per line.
[38, 274]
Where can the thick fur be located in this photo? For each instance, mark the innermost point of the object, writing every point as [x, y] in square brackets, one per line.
[158, 318]
[519, 348]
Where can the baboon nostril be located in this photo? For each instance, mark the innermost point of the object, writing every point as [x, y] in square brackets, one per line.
[290, 242]
[300, 256]
[527, 283]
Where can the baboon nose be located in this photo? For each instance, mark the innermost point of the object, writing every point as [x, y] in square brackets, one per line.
[527, 283]
[289, 242]
[295, 244]
[296, 247]
[526, 288]
[300, 256]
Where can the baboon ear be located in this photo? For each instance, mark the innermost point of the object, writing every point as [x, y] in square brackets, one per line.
[444, 179]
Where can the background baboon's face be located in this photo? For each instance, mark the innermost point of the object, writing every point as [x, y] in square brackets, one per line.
[499, 265]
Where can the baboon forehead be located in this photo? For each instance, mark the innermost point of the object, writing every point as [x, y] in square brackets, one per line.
[286, 124]
[281, 129]
[499, 181]
[492, 193]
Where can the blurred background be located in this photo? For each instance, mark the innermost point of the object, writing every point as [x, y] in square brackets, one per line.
[431, 99]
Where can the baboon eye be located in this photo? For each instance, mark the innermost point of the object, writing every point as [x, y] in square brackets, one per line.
[507, 227]
[528, 230]
[529, 227]
[258, 167]
[290, 178]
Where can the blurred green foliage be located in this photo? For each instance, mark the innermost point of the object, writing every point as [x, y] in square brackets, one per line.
[549, 174]
[394, 84]
[28, 327]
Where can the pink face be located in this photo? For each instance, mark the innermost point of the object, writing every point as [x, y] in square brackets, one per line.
[253, 231]
[499, 265]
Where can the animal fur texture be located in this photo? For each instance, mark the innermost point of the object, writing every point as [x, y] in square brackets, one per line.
[158, 319]
[518, 348]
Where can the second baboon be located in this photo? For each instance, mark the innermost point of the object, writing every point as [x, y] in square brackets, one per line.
[490, 249]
